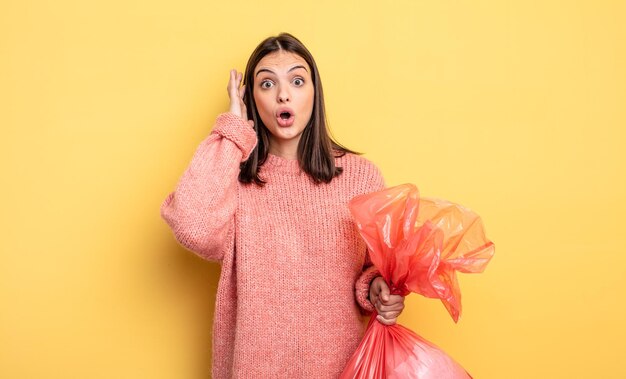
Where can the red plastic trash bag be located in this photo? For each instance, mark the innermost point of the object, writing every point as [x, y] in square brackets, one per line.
[396, 352]
[417, 245]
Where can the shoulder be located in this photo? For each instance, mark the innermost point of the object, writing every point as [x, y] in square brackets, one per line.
[362, 171]
[358, 162]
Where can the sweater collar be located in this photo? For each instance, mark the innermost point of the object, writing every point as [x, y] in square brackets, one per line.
[277, 163]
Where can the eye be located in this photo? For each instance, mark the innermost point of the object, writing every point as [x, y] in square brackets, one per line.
[267, 84]
[298, 82]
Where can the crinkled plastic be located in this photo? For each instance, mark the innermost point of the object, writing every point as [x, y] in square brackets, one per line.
[396, 352]
[417, 245]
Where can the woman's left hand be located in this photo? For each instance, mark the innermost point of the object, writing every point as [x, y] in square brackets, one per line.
[388, 306]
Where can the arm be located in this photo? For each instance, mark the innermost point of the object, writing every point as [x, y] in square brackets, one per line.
[201, 210]
[374, 182]
[363, 287]
[372, 292]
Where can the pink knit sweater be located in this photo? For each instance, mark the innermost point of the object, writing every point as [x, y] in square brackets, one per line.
[295, 276]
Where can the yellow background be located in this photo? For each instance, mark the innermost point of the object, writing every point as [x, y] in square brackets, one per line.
[515, 109]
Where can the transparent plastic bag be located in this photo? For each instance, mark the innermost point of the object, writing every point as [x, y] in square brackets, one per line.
[417, 245]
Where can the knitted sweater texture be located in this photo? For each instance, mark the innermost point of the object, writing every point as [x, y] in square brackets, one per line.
[295, 273]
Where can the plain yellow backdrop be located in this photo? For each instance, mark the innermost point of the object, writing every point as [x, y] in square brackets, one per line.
[515, 109]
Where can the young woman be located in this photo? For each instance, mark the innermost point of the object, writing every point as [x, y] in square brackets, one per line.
[266, 194]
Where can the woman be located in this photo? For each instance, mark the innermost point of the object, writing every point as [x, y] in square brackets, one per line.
[266, 195]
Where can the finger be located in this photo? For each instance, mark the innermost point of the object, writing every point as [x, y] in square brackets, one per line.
[385, 321]
[390, 308]
[395, 299]
[233, 93]
[239, 77]
[384, 292]
[232, 84]
[389, 315]
[375, 285]
[231, 79]
[244, 111]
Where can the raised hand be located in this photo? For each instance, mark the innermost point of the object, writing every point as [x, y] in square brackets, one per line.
[235, 93]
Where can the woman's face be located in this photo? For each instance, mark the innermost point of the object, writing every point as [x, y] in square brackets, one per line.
[284, 93]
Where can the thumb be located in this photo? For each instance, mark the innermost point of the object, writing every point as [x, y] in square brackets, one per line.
[251, 123]
[384, 291]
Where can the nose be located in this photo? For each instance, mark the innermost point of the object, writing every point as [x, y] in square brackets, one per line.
[283, 95]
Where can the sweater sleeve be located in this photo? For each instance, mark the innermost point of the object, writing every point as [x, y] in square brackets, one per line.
[201, 210]
[362, 286]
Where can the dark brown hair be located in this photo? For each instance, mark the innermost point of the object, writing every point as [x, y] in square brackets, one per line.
[316, 149]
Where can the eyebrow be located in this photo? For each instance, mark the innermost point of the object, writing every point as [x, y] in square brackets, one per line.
[272, 72]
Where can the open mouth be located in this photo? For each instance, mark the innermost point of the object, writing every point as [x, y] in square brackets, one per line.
[285, 117]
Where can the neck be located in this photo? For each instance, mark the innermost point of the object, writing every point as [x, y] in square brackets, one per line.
[287, 150]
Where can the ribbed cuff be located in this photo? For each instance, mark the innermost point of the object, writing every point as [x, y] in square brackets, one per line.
[237, 130]
[362, 288]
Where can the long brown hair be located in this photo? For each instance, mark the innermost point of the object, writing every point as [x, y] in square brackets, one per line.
[316, 149]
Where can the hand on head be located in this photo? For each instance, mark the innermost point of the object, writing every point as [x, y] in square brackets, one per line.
[235, 93]
[387, 306]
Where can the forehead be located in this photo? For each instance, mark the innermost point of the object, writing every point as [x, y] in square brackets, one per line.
[281, 61]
